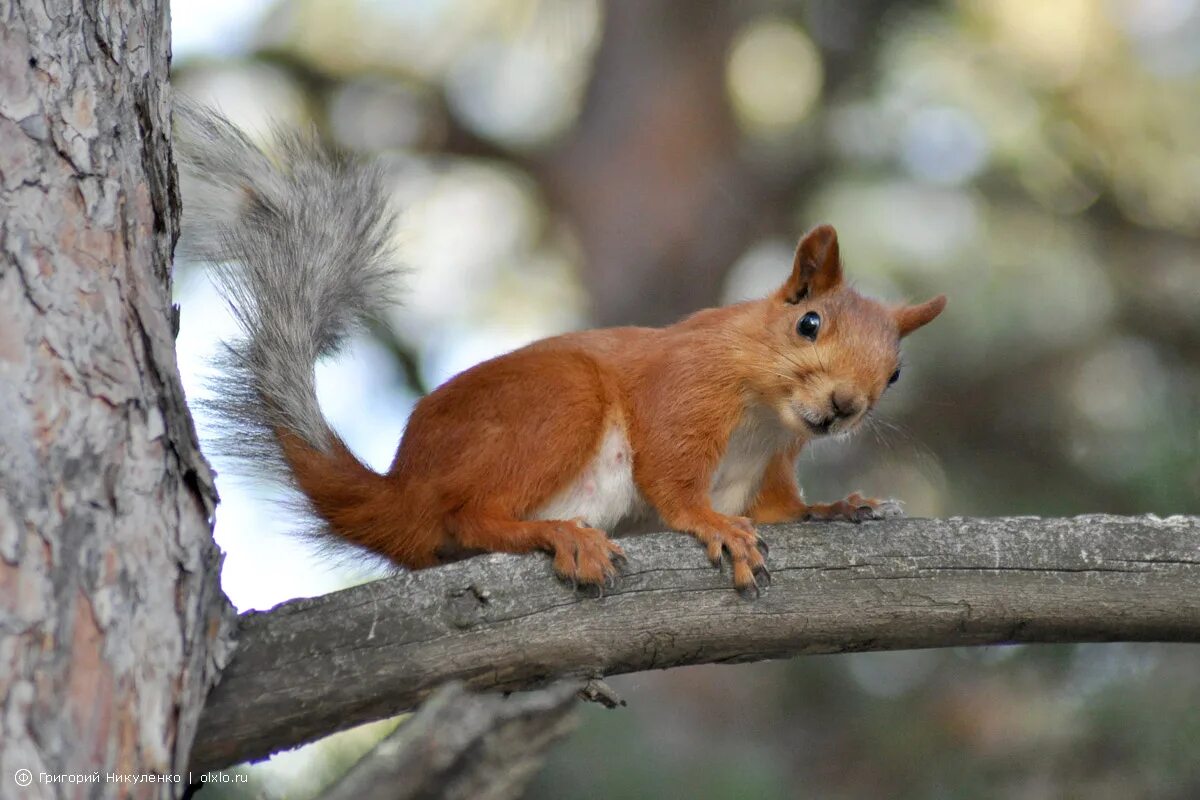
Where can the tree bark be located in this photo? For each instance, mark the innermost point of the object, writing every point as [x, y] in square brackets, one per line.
[310, 667]
[112, 622]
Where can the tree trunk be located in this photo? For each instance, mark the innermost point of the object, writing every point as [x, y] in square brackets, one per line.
[112, 622]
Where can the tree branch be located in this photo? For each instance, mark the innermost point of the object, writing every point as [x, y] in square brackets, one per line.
[463, 745]
[310, 667]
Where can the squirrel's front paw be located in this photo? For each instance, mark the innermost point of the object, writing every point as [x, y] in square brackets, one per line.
[735, 537]
[856, 508]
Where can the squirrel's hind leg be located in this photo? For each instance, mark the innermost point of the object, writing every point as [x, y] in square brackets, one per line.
[510, 450]
[582, 555]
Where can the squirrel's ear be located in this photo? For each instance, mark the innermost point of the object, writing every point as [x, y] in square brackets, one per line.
[909, 318]
[817, 267]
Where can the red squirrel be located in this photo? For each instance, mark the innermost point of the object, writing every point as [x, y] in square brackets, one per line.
[547, 448]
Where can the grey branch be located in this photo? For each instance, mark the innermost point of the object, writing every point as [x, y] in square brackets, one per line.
[463, 745]
[310, 667]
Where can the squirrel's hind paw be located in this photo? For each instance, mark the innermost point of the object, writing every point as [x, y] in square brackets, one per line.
[585, 557]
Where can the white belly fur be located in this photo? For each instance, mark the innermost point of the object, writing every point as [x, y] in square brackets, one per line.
[604, 493]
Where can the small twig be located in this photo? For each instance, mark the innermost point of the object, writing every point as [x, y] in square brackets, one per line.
[597, 691]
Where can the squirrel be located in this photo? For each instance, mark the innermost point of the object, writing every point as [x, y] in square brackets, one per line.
[546, 448]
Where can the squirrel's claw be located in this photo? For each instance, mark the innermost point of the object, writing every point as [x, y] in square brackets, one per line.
[750, 591]
[762, 578]
[594, 591]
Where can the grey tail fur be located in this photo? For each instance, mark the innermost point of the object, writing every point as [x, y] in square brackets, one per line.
[300, 242]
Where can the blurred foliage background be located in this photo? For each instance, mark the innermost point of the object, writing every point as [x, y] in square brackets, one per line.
[573, 163]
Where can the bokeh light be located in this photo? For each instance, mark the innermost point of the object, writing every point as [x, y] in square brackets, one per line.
[775, 76]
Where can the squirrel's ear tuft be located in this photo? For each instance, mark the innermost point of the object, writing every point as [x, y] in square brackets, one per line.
[817, 267]
[909, 318]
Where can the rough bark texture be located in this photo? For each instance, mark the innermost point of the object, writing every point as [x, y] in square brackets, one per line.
[463, 746]
[310, 667]
[112, 623]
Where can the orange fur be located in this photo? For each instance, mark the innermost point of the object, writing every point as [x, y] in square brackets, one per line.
[712, 410]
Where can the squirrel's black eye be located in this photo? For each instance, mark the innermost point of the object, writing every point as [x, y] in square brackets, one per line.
[895, 377]
[808, 326]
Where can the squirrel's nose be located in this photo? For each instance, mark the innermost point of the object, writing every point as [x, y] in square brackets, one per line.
[845, 405]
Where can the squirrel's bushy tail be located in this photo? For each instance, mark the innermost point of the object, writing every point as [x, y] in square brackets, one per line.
[300, 242]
